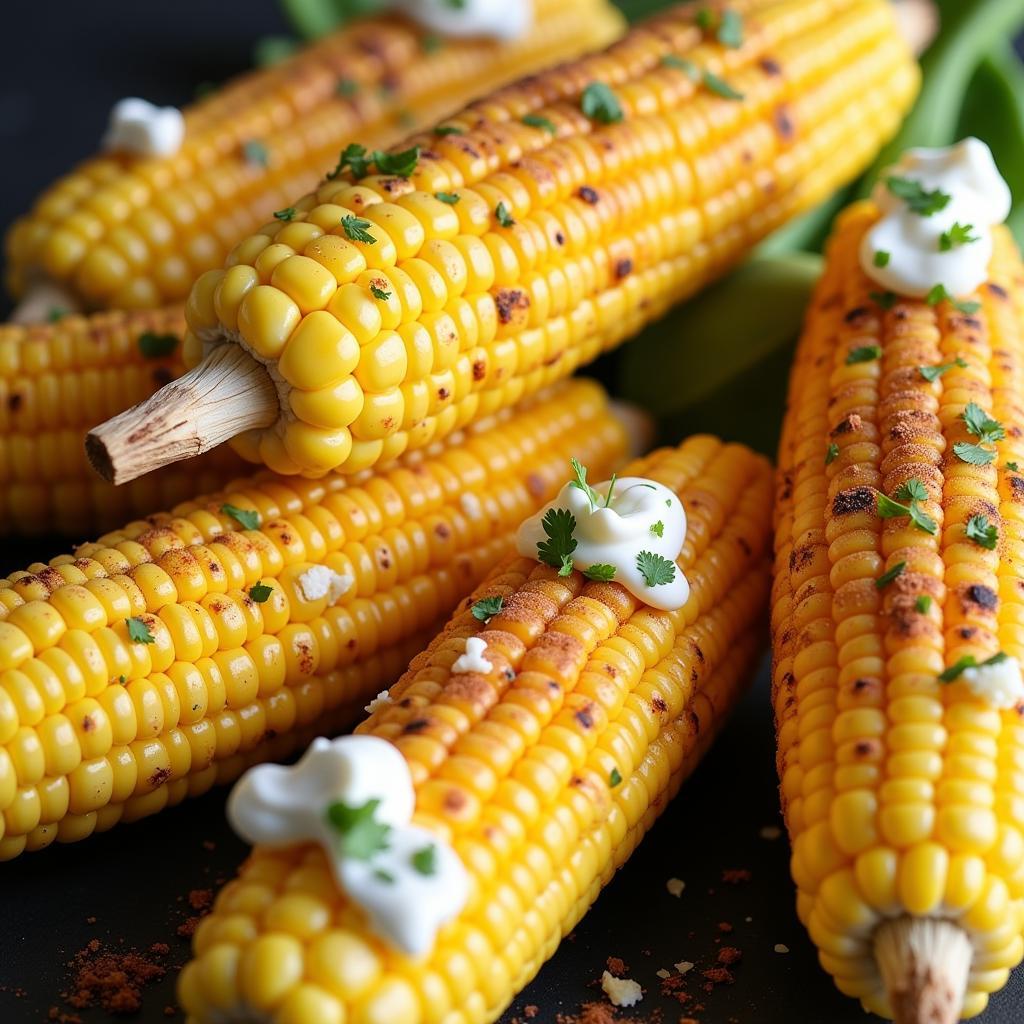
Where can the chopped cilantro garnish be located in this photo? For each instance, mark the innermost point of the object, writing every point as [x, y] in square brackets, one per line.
[247, 518]
[600, 573]
[656, 571]
[958, 234]
[156, 346]
[881, 258]
[537, 121]
[123, 680]
[355, 228]
[1012, 466]
[505, 219]
[448, 129]
[355, 158]
[987, 430]
[379, 293]
[614, 778]
[720, 87]
[658, 528]
[138, 631]
[260, 592]
[863, 354]
[451, 198]
[888, 508]
[940, 294]
[968, 661]
[285, 214]
[558, 524]
[56, 313]
[486, 607]
[425, 861]
[431, 43]
[912, 490]
[885, 300]
[706, 18]
[670, 60]
[361, 834]
[599, 103]
[887, 577]
[982, 532]
[346, 87]
[579, 472]
[400, 164]
[254, 152]
[611, 491]
[730, 29]
[831, 453]
[384, 876]
[918, 199]
[973, 454]
[923, 604]
[933, 373]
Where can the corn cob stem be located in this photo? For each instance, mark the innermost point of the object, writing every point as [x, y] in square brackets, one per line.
[924, 963]
[227, 393]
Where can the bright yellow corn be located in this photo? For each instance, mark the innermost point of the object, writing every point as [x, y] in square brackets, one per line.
[397, 309]
[55, 381]
[544, 774]
[903, 794]
[124, 232]
[97, 726]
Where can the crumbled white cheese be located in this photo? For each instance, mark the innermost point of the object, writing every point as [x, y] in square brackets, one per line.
[999, 683]
[144, 129]
[471, 505]
[771, 832]
[320, 581]
[473, 659]
[621, 991]
[662, 973]
[683, 967]
[781, 947]
[382, 700]
[675, 887]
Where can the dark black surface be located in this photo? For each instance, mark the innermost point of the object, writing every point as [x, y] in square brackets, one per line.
[65, 64]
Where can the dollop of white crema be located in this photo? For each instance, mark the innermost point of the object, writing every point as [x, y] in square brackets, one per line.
[141, 128]
[998, 683]
[915, 261]
[279, 806]
[502, 19]
[617, 534]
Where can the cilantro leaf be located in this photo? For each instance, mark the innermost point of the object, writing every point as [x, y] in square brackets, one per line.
[486, 607]
[933, 373]
[923, 603]
[248, 518]
[55, 313]
[361, 834]
[286, 214]
[260, 592]
[614, 778]
[890, 509]
[451, 198]
[138, 631]
[355, 158]
[958, 234]
[384, 876]
[254, 152]
[831, 453]
[922, 520]
[720, 87]
[448, 129]
[558, 524]
[658, 528]
[884, 300]
[918, 199]
[912, 490]
[982, 532]
[730, 29]
[656, 571]
[670, 60]
[881, 258]
[425, 861]
[981, 425]
[347, 87]
[600, 573]
[973, 454]
[1012, 466]
[355, 228]
[706, 18]
[863, 354]
[400, 164]
[379, 293]
[969, 661]
[566, 567]
[505, 219]
[939, 294]
[887, 577]
[579, 471]
[537, 121]
[156, 346]
[599, 103]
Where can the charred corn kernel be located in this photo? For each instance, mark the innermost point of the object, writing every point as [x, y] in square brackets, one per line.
[55, 380]
[124, 231]
[544, 773]
[195, 647]
[910, 783]
[560, 246]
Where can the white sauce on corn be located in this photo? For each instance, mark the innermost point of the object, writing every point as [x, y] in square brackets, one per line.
[321, 581]
[141, 128]
[382, 700]
[999, 684]
[916, 261]
[502, 19]
[621, 991]
[617, 534]
[279, 806]
[473, 660]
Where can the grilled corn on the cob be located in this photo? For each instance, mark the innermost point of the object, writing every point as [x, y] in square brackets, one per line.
[125, 231]
[547, 223]
[903, 790]
[543, 773]
[169, 655]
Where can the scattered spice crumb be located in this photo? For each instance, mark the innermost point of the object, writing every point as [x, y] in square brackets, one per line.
[781, 947]
[531, 1011]
[770, 832]
[200, 899]
[617, 966]
[724, 927]
[675, 887]
[90, 920]
[734, 876]
[716, 976]
[169, 1011]
[729, 955]
[112, 979]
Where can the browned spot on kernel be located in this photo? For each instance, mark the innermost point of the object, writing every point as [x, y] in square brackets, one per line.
[589, 195]
[585, 716]
[697, 650]
[416, 725]
[442, 530]
[623, 268]
[966, 632]
[559, 238]
[88, 724]
[443, 394]
[856, 499]
[1016, 487]
[847, 425]
[784, 124]
[786, 491]
[351, 643]
[801, 557]
[997, 290]
[159, 777]
[305, 658]
[479, 369]
[982, 596]
[770, 66]
[658, 704]
[14, 401]
[865, 687]
[867, 748]
[852, 316]
[454, 801]
[535, 484]
[509, 301]
[383, 558]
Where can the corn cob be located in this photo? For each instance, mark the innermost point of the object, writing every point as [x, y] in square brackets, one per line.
[392, 310]
[543, 773]
[126, 232]
[97, 727]
[903, 794]
[56, 380]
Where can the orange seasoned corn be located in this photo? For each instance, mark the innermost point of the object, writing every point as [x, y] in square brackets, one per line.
[56, 380]
[550, 221]
[543, 774]
[903, 792]
[123, 232]
[168, 656]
